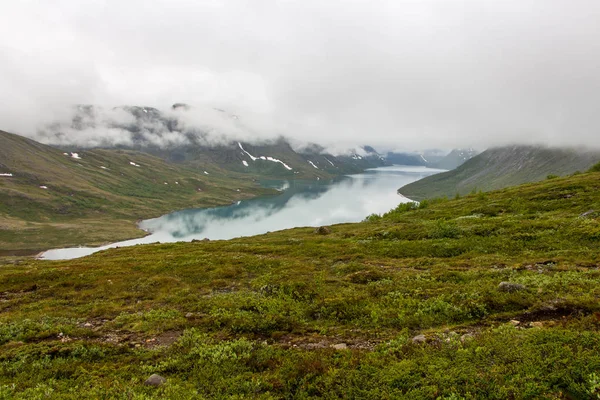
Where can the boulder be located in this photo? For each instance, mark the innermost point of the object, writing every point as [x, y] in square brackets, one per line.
[510, 287]
[466, 337]
[419, 339]
[323, 230]
[340, 346]
[155, 380]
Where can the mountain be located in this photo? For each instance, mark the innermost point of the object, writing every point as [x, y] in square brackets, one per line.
[432, 158]
[491, 296]
[49, 197]
[400, 158]
[454, 159]
[363, 158]
[501, 167]
[180, 136]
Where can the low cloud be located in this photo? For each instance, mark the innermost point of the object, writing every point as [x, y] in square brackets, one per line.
[401, 74]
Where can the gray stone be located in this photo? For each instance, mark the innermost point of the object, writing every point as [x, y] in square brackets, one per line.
[510, 287]
[323, 230]
[419, 339]
[466, 337]
[340, 346]
[155, 380]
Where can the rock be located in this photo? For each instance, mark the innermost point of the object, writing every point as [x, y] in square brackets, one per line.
[155, 380]
[585, 214]
[339, 346]
[419, 339]
[537, 324]
[323, 230]
[466, 337]
[514, 322]
[510, 287]
[87, 325]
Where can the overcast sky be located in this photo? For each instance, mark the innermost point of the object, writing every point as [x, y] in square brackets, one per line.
[410, 74]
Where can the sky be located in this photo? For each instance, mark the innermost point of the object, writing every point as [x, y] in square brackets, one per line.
[400, 74]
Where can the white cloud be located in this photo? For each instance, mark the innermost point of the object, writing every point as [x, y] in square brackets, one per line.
[400, 73]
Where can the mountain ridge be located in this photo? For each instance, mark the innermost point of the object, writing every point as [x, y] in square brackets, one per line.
[171, 136]
[501, 167]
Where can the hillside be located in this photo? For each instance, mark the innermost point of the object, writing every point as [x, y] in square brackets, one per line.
[490, 296]
[501, 167]
[170, 135]
[51, 198]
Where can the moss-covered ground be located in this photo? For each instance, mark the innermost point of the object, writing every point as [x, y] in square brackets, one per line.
[296, 314]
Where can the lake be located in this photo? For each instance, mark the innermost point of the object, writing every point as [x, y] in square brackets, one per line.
[302, 203]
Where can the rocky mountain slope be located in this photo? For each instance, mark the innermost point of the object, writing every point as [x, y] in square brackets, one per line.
[502, 167]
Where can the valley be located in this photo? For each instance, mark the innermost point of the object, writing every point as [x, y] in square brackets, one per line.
[490, 295]
[57, 198]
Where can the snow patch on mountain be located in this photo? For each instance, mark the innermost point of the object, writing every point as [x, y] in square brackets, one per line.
[311, 163]
[279, 161]
[6, 174]
[249, 155]
[265, 158]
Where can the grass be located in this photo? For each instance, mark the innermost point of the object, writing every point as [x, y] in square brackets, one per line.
[295, 314]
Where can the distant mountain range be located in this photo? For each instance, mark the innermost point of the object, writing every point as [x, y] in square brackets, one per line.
[501, 167]
[171, 136]
[432, 158]
[161, 134]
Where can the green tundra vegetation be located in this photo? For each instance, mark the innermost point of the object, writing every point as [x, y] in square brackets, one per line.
[487, 296]
[55, 199]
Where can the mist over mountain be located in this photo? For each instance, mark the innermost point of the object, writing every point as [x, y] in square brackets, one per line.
[422, 74]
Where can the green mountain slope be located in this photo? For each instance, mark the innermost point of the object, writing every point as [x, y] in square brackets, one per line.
[50, 198]
[490, 296]
[501, 167]
[274, 159]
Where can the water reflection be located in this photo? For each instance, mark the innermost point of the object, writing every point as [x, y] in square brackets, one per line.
[302, 203]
